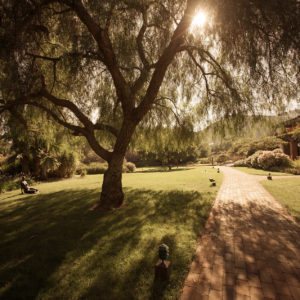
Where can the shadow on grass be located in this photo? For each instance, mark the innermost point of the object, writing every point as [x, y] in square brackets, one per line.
[53, 247]
[252, 242]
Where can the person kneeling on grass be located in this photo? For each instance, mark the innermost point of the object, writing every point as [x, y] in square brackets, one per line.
[26, 189]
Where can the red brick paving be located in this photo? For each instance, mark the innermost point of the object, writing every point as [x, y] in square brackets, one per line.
[250, 247]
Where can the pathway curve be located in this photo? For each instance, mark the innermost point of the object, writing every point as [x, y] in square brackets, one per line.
[250, 247]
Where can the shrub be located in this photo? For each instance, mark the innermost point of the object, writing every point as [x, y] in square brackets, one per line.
[222, 158]
[295, 168]
[253, 159]
[96, 168]
[247, 147]
[240, 163]
[11, 167]
[296, 134]
[293, 171]
[204, 160]
[268, 160]
[83, 173]
[80, 168]
[10, 183]
[130, 167]
[67, 166]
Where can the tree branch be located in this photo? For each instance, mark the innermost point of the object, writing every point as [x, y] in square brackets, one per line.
[87, 131]
[220, 72]
[71, 106]
[202, 71]
[165, 60]
[77, 130]
[109, 59]
[139, 41]
[106, 127]
[53, 59]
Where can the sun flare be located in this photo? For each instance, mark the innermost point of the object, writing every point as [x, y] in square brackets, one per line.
[199, 20]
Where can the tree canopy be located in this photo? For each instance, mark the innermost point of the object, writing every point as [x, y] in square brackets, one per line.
[100, 68]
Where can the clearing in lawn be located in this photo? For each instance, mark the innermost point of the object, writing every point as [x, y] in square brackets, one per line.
[54, 247]
[287, 192]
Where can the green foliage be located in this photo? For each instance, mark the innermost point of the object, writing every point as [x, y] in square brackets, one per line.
[10, 183]
[295, 168]
[222, 158]
[204, 160]
[96, 168]
[296, 135]
[240, 163]
[247, 147]
[67, 164]
[169, 146]
[267, 160]
[11, 166]
[43, 148]
[130, 167]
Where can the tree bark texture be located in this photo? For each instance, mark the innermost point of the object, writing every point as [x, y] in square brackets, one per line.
[112, 195]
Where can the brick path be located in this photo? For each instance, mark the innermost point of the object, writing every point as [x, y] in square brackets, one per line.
[250, 247]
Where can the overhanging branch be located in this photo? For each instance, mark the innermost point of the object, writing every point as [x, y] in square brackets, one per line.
[104, 43]
[106, 127]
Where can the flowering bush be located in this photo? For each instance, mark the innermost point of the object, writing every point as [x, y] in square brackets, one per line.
[268, 159]
[240, 163]
[253, 159]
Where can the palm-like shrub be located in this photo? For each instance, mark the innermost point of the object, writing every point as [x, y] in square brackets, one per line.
[67, 166]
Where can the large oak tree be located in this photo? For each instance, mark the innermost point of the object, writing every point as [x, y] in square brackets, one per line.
[102, 67]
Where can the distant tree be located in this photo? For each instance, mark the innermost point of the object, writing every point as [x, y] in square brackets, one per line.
[129, 62]
[171, 146]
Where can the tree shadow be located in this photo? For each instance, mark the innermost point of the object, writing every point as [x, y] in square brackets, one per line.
[51, 244]
[245, 246]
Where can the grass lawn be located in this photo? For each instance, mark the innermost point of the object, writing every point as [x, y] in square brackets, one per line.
[253, 171]
[287, 192]
[54, 247]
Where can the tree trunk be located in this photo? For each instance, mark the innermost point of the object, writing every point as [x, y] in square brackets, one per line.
[36, 167]
[25, 165]
[112, 195]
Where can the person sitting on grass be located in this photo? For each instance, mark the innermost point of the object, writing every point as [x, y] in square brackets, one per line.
[26, 189]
